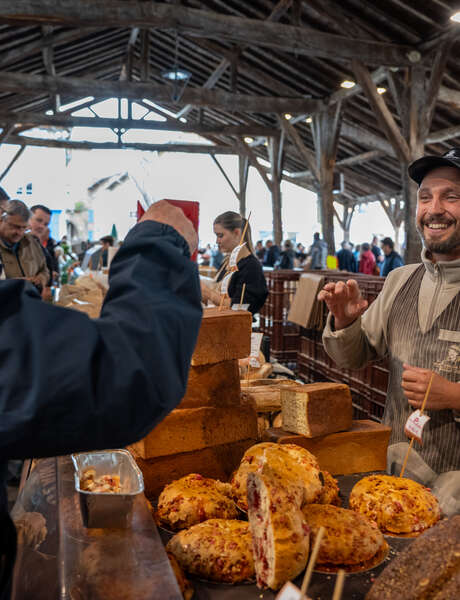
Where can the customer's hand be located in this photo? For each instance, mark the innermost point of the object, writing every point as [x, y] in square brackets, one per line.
[344, 302]
[166, 213]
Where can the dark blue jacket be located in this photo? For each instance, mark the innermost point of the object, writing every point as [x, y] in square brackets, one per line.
[71, 384]
[347, 262]
[272, 256]
[392, 261]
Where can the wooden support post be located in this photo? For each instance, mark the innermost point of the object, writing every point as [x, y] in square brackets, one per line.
[274, 150]
[395, 214]
[243, 170]
[345, 220]
[145, 63]
[326, 128]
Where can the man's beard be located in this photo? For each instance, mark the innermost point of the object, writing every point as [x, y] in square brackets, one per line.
[444, 247]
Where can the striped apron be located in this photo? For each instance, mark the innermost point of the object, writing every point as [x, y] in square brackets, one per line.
[437, 462]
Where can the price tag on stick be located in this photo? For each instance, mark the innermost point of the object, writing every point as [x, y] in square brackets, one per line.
[415, 424]
[234, 257]
[225, 284]
[256, 341]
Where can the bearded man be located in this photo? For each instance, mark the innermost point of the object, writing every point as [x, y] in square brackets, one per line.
[415, 321]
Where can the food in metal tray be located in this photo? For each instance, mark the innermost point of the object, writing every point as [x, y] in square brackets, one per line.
[105, 484]
[398, 505]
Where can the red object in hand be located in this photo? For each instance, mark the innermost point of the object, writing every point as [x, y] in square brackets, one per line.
[190, 209]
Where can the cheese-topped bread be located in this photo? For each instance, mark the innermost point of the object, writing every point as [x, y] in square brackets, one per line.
[183, 583]
[280, 536]
[218, 550]
[330, 493]
[349, 538]
[193, 499]
[297, 460]
[397, 505]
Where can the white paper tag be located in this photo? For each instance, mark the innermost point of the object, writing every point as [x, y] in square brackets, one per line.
[415, 424]
[234, 257]
[240, 306]
[225, 284]
[256, 340]
[289, 591]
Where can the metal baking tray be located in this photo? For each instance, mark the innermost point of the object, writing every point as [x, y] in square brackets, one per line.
[100, 509]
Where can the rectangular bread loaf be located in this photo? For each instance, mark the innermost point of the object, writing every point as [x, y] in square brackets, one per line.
[317, 409]
[213, 385]
[218, 462]
[188, 429]
[360, 450]
[223, 335]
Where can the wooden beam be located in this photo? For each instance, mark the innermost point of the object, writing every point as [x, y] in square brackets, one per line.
[384, 116]
[366, 138]
[443, 135]
[209, 84]
[186, 148]
[118, 13]
[127, 63]
[144, 62]
[434, 83]
[346, 162]
[64, 120]
[273, 151]
[31, 84]
[48, 60]
[449, 96]
[304, 152]
[245, 150]
[280, 9]
[12, 161]
[226, 177]
[243, 172]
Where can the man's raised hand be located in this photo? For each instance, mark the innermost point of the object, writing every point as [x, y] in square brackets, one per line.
[344, 302]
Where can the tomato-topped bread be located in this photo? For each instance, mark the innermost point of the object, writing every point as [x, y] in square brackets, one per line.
[280, 536]
[349, 538]
[330, 494]
[298, 461]
[193, 499]
[398, 505]
[217, 550]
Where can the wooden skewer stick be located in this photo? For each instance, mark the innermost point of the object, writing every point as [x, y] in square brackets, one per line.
[339, 585]
[242, 296]
[222, 300]
[412, 439]
[245, 229]
[311, 563]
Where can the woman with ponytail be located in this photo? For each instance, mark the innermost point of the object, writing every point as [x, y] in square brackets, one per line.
[228, 228]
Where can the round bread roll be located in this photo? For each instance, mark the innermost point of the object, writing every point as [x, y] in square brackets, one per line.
[330, 493]
[298, 461]
[349, 538]
[193, 499]
[217, 550]
[396, 504]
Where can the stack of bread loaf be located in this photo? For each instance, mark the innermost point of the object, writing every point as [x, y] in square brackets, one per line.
[212, 426]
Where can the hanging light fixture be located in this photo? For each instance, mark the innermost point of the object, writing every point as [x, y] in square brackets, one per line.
[178, 76]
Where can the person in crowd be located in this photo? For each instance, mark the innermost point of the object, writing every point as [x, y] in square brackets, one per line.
[287, 256]
[356, 252]
[20, 252]
[229, 227]
[107, 242]
[392, 259]
[318, 253]
[40, 220]
[260, 251]
[300, 253]
[272, 254]
[217, 258]
[3, 199]
[414, 321]
[376, 251]
[347, 261]
[367, 262]
[119, 376]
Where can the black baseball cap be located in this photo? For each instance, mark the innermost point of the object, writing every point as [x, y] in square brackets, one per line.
[419, 168]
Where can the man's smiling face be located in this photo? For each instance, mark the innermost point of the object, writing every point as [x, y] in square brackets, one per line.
[438, 212]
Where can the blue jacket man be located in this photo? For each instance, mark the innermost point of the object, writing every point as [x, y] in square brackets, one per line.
[73, 384]
[392, 259]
